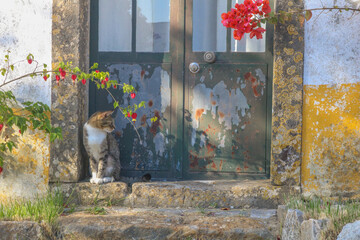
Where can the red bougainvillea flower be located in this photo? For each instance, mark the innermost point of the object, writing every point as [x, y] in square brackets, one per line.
[20, 131]
[103, 82]
[83, 81]
[97, 71]
[45, 77]
[73, 77]
[132, 95]
[134, 115]
[57, 77]
[246, 18]
[115, 86]
[30, 61]
[106, 79]
[257, 32]
[128, 114]
[1, 126]
[1, 170]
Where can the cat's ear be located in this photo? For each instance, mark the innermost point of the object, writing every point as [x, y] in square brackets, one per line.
[107, 114]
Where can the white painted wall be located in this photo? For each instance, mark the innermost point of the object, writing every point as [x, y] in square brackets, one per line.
[332, 44]
[25, 27]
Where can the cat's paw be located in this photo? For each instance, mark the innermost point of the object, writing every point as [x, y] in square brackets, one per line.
[96, 180]
[108, 179]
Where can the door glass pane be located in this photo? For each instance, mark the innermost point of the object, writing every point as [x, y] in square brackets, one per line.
[115, 25]
[153, 26]
[246, 44]
[208, 32]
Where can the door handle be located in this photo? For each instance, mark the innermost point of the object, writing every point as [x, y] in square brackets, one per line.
[194, 67]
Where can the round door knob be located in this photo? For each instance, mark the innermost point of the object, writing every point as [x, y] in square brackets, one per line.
[209, 57]
[194, 67]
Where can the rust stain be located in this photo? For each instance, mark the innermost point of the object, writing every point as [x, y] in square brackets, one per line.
[195, 161]
[143, 120]
[221, 164]
[213, 102]
[198, 113]
[150, 103]
[155, 125]
[118, 133]
[254, 83]
[238, 169]
[210, 148]
[237, 70]
[211, 94]
[142, 74]
[213, 166]
[221, 114]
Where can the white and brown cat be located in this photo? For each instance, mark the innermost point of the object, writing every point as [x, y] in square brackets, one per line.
[102, 148]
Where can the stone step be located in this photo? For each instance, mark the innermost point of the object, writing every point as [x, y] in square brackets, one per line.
[183, 194]
[127, 223]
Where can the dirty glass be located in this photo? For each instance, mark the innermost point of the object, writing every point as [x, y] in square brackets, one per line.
[153, 26]
[208, 32]
[246, 44]
[115, 25]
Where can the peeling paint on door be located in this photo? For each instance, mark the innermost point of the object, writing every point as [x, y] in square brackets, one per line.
[228, 119]
[153, 85]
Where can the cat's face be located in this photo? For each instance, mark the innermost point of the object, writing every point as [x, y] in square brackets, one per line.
[103, 120]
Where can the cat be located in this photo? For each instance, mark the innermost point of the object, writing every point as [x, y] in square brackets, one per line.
[102, 148]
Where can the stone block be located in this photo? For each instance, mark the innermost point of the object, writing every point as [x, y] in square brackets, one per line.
[350, 231]
[24, 230]
[281, 213]
[311, 229]
[86, 193]
[292, 224]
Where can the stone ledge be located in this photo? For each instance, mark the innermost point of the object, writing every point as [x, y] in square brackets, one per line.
[123, 223]
[183, 194]
[85, 193]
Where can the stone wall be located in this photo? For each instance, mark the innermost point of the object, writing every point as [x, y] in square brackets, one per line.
[331, 131]
[25, 28]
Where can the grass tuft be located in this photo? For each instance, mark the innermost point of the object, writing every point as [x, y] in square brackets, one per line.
[340, 212]
[43, 208]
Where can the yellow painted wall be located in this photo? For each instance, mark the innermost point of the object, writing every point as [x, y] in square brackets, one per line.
[26, 169]
[331, 140]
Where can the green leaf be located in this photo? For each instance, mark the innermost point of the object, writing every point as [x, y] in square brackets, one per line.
[53, 136]
[116, 104]
[94, 66]
[10, 145]
[12, 67]
[308, 15]
[154, 119]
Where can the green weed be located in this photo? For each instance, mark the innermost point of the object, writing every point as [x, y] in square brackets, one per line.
[339, 212]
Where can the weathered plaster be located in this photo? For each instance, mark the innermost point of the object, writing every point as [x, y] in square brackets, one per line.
[25, 28]
[26, 169]
[70, 32]
[331, 139]
[287, 98]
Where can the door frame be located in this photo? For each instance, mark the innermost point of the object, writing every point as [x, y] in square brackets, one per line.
[286, 144]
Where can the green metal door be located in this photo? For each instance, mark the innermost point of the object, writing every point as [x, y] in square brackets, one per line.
[212, 123]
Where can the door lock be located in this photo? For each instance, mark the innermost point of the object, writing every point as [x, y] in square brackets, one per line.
[209, 57]
[194, 67]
